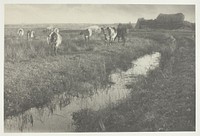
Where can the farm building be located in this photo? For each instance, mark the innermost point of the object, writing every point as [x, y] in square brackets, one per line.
[165, 21]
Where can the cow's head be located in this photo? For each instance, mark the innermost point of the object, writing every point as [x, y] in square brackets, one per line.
[56, 30]
[102, 29]
[81, 33]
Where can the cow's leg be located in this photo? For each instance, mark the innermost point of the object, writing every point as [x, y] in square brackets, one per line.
[88, 40]
[85, 41]
[124, 40]
[110, 40]
[52, 49]
[115, 37]
[56, 50]
[105, 41]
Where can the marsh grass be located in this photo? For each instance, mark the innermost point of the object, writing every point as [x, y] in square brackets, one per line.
[33, 76]
[162, 101]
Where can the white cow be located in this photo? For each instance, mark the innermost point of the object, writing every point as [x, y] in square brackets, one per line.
[95, 29]
[54, 39]
[50, 28]
[110, 34]
[20, 32]
[30, 35]
[113, 33]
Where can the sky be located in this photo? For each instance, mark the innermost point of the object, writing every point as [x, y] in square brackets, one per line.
[88, 13]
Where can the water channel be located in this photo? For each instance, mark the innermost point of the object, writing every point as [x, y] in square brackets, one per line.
[60, 120]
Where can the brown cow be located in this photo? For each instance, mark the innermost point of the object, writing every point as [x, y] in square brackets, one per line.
[121, 33]
[87, 33]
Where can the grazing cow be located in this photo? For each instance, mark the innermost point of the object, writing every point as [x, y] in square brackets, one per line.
[86, 33]
[30, 35]
[113, 33]
[54, 39]
[20, 32]
[121, 33]
[95, 29]
[110, 34]
[50, 29]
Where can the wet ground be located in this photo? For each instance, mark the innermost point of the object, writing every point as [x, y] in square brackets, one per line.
[60, 119]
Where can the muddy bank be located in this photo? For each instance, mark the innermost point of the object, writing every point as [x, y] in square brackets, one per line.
[162, 101]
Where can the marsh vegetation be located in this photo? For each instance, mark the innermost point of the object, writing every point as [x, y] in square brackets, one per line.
[162, 100]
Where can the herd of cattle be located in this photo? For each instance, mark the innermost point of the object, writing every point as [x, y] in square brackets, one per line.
[54, 39]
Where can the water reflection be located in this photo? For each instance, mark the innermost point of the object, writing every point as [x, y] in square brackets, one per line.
[57, 116]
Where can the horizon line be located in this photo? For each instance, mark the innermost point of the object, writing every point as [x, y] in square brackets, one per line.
[66, 23]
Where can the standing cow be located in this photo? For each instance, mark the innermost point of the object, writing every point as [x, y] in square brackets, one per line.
[121, 33]
[110, 34]
[86, 33]
[95, 29]
[20, 32]
[50, 29]
[30, 35]
[54, 39]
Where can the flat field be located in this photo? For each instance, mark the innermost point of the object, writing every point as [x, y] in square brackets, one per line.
[162, 101]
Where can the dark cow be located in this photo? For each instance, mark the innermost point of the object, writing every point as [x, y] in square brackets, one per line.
[87, 33]
[121, 33]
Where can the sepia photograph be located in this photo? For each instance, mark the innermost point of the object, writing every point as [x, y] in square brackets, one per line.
[99, 68]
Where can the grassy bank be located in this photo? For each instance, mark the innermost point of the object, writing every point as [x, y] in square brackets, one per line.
[33, 76]
[162, 101]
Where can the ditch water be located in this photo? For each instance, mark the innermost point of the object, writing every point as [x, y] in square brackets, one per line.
[60, 120]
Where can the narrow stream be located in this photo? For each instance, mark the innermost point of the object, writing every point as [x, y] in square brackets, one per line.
[60, 120]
